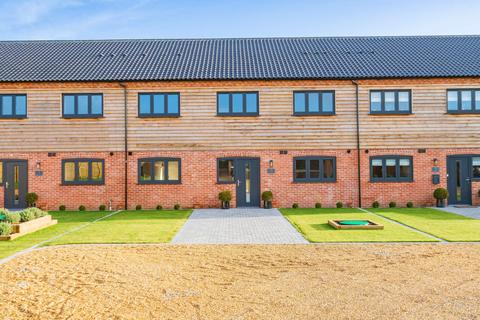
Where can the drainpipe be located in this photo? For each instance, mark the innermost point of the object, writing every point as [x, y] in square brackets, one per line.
[359, 171]
[125, 123]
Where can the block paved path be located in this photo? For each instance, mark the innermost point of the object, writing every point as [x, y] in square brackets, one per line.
[238, 226]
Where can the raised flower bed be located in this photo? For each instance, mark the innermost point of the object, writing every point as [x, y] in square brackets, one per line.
[17, 224]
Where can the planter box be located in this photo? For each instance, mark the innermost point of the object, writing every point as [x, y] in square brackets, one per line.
[24, 228]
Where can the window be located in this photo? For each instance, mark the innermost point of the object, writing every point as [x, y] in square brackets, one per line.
[83, 105]
[463, 101]
[13, 106]
[314, 103]
[237, 103]
[390, 102]
[159, 170]
[1, 172]
[391, 169]
[158, 104]
[83, 171]
[225, 171]
[475, 168]
[314, 169]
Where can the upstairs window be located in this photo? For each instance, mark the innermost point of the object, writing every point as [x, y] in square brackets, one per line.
[314, 103]
[158, 104]
[463, 101]
[314, 169]
[159, 170]
[391, 169]
[1, 172]
[13, 106]
[390, 102]
[83, 171]
[83, 105]
[237, 104]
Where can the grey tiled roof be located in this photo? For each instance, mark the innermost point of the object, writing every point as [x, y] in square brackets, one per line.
[261, 58]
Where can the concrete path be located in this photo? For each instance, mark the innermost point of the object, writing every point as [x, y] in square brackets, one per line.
[467, 212]
[238, 226]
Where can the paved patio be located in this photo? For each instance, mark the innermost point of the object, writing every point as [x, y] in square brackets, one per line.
[238, 226]
[467, 212]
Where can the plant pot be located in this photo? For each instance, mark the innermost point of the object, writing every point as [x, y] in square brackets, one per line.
[267, 204]
[440, 203]
[226, 205]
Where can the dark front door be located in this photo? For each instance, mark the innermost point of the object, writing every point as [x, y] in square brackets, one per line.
[15, 184]
[247, 174]
[459, 180]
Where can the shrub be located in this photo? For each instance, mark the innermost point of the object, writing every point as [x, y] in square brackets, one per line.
[392, 204]
[37, 213]
[159, 207]
[267, 196]
[295, 206]
[440, 194]
[318, 205]
[409, 204]
[339, 204]
[176, 207]
[26, 215]
[81, 208]
[102, 207]
[224, 196]
[31, 198]
[375, 204]
[62, 207]
[138, 207]
[12, 217]
[5, 228]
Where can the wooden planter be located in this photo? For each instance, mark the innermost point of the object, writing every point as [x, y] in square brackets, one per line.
[370, 226]
[20, 229]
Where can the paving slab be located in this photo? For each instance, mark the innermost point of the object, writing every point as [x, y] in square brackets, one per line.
[472, 212]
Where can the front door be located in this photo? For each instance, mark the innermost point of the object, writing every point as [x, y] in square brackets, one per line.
[247, 174]
[459, 180]
[15, 185]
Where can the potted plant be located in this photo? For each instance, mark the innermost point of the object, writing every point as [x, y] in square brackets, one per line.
[440, 194]
[225, 197]
[31, 199]
[267, 197]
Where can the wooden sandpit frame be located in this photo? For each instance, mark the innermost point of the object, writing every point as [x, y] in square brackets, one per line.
[370, 226]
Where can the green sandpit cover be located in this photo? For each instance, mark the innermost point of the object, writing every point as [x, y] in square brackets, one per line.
[2, 217]
[353, 222]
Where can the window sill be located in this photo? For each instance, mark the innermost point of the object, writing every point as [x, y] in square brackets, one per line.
[225, 182]
[81, 117]
[233, 115]
[313, 114]
[463, 112]
[83, 184]
[313, 181]
[392, 181]
[390, 113]
[158, 182]
[13, 118]
[158, 116]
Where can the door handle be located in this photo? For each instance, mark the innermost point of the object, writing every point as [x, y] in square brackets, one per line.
[238, 183]
[6, 185]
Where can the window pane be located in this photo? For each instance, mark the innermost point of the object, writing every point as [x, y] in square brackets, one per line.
[83, 104]
[314, 169]
[68, 105]
[476, 167]
[299, 102]
[452, 100]
[466, 100]
[1, 172]
[477, 100]
[145, 172]
[172, 103]
[313, 102]
[7, 102]
[83, 171]
[223, 103]
[145, 104]
[159, 168]
[237, 100]
[173, 172]
[404, 168]
[377, 168]
[251, 102]
[158, 104]
[375, 101]
[391, 168]
[327, 102]
[328, 169]
[97, 104]
[97, 170]
[300, 169]
[21, 105]
[389, 101]
[404, 101]
[225, 171]
[69, 171]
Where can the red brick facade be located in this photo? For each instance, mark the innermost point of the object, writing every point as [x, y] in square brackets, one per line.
[199, 186]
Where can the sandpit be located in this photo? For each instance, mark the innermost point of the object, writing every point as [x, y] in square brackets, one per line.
[356, 281]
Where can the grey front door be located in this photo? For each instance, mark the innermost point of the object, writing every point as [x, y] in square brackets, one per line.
[459, 169]
[15, 184]
[247, 174]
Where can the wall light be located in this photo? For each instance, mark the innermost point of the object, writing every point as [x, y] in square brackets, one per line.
[435, 161]
[270, 164]
[38, 166]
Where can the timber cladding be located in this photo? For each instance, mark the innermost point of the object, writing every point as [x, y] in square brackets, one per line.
[198, 127]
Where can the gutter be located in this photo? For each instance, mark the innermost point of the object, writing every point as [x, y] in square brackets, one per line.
[125, 141]
[359, 171]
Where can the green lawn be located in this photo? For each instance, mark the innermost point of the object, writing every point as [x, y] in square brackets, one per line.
[124, 227]
[313, 224]
[448, 226]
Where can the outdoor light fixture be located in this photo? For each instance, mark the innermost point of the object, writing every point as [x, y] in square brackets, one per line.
[435, 161]
[270, 164]
[39, 165]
